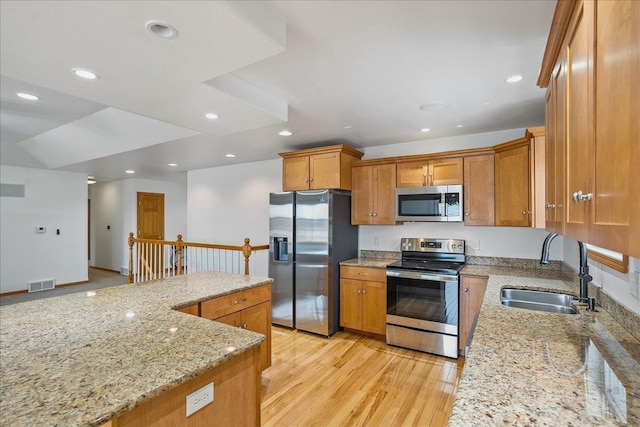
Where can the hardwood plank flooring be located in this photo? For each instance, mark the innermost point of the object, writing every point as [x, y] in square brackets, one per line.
[354, 380]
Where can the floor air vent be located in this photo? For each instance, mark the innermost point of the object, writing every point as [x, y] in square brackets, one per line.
[42, 285]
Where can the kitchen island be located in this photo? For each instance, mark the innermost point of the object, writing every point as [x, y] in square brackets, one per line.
[530, 368]
[87, 358]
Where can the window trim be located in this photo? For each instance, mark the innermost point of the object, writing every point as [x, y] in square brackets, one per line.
[617, 264]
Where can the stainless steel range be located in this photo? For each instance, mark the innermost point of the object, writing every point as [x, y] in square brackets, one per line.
[422, 295]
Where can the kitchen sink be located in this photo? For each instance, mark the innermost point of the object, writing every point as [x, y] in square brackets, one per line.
[538, 300]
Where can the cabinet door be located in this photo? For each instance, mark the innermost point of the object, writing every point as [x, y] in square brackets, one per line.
[351, 303]
[513, 199]
[324, 171]
[384, 194]
[295, 173]
[479, 190]
[445, 171]
[233, 319]
[579, 123]
[374, 307]
[258, 319]
[615, 208]
[472, 290]
[413, 174]
[361, 195]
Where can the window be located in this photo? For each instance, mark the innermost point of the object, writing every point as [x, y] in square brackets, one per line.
[612, 259]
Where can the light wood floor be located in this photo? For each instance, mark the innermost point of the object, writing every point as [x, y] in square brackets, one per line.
[353, 380]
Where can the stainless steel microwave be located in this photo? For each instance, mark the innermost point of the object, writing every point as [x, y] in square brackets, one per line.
[433, 203]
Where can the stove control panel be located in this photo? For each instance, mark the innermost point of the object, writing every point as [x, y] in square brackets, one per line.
[416, 244]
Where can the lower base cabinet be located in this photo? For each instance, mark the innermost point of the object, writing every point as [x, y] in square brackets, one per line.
[363, 299]
[472, 290]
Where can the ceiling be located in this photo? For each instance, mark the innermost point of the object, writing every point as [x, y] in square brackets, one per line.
[354, 72]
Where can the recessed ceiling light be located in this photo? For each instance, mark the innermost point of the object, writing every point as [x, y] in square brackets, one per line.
[348, 127]
[130, 171]
[285, 133]
[161, 29]
[27, 96]
[85, 74]
[434, 106]
[514, 79]
[230, 155]
[211, 116]
[425, 130]
[173, 165]
[459, 126]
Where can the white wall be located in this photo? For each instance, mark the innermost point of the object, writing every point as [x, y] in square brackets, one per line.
[616, 284]
[114, 204]
[55, 200]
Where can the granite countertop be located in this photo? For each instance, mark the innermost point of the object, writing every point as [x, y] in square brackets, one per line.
[85, 358]
[529, 368]
[369, 262]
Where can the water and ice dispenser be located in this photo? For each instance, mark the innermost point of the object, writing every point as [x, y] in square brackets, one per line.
[280, 249]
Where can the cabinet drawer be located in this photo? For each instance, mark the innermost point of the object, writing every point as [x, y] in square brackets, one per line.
[221, 306]
[363, 273]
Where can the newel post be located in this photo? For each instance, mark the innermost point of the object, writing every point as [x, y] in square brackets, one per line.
[246, 251]
[179, 246]
[131, 242]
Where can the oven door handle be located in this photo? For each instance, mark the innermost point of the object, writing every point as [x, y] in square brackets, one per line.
[420, 275]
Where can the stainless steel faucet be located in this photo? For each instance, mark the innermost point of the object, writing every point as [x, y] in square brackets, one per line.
[584, 276]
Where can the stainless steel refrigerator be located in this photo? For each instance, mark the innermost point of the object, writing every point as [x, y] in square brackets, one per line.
[310, 232]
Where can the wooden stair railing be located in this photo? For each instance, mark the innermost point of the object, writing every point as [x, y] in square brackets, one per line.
[148, 257]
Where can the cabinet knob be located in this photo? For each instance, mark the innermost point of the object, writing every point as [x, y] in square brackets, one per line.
[549, 206]
[306, 180]
[466, 289]
[244, 326]
[526, 212]
[238, 301]
[374, 214]
[310, 179]
[578, 197]
[364, 291]
[359, 291]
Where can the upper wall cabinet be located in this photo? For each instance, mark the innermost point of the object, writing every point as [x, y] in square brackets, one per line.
[591, 68]
[373, 194]
[479, 190]
[519, 181]
[429, 172]
[319, 168]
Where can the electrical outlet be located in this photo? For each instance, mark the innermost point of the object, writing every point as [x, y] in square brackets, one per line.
[199, 399]
[635, 284]
[474, 244]
[376, 241]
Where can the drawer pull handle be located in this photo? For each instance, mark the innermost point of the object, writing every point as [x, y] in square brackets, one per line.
[238, 301]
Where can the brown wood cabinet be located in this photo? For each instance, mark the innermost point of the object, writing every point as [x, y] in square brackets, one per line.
[479, 190]
[249, 309]
[472, 290]
[513, 185]
[363, 299]
[373, 194]
[318, 168]
[595, 43]
[421, 173]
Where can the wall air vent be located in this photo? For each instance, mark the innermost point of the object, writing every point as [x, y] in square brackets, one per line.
[12, 190]
[42, 285]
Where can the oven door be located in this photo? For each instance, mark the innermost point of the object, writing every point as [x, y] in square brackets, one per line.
[422, 311]
[425, 301]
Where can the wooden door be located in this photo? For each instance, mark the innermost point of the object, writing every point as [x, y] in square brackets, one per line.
[374, 307]
[579, 122]
[616, 148]
[351, 303]
[295, 173]
[413, 174]
[472, 290]
[513, 200]
[361, 195]
[151, 226]
[479, 190]
[324, 171]
[258, 319]
[445, 171]
[384, 194]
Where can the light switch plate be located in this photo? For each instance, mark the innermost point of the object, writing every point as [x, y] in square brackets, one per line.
[635, 284]
[199, 399]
